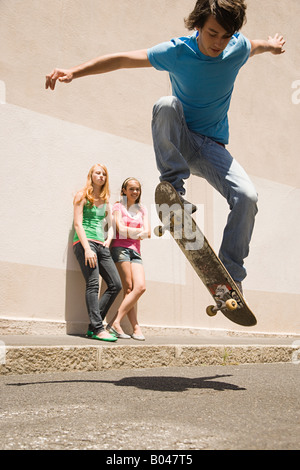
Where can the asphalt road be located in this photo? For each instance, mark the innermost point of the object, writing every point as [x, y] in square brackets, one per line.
[253, 407]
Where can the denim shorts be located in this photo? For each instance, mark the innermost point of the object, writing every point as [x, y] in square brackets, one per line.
[120, 254]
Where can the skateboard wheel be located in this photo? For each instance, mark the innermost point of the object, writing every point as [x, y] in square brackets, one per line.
[210, 310]
[159, 230]
[231, 304]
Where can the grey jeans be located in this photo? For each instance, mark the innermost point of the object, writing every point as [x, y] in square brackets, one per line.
[180, 152]
[98, 308]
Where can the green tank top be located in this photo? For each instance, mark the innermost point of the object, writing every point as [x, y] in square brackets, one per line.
[92, 222]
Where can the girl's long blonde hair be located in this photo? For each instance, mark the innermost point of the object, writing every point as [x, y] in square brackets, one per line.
[88, 190]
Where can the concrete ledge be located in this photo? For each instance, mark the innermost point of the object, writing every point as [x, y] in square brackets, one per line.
[42, 359]
[29, 326]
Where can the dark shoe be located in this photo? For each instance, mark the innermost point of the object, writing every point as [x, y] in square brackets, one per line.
[188, 206]
[239, 285]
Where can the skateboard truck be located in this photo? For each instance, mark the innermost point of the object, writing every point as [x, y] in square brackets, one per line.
[173, 222]
[159, 230]
[221, 293]
[230, 304]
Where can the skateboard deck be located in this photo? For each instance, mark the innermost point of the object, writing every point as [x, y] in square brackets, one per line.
[183, 228]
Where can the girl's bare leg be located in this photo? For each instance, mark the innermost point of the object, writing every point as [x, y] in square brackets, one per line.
[133, 281]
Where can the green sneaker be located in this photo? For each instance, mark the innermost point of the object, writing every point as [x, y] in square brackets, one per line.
[110, 339]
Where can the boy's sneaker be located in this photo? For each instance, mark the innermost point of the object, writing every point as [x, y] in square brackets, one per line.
[188, 206]
[239, 285]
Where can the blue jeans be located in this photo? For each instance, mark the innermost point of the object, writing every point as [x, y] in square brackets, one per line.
[120, 254]
[98, 308]
[180, 152]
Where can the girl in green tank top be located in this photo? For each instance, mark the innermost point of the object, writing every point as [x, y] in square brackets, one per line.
[91, 247]
[92, 222]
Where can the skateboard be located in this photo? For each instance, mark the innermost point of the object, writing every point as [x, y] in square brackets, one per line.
[194, 245]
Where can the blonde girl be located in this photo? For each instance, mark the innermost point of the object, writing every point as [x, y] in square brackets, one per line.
[91, 247]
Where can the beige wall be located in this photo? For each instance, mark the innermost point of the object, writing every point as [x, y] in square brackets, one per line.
[48, 141]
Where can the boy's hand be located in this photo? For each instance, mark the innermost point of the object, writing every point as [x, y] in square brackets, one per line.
[276, 43]
[62, 75]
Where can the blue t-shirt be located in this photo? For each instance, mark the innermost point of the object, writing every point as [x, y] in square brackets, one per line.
[203, 84]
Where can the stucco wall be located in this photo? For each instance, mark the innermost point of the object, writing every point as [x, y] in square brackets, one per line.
[49, 140]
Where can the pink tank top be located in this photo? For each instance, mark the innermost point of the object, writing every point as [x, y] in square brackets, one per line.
[130, 219]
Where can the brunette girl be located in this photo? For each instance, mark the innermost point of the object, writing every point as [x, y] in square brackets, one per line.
[132, 226]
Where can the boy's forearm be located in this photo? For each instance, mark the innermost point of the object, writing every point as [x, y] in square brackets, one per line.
[111, 62]
[107, 63]
[99, 65]
[275, 45]
[259, 46]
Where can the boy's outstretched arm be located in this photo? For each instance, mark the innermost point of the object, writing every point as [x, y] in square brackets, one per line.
[275, 45]
[103, 64]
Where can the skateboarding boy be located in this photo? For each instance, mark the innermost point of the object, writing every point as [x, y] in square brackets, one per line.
[190, 128]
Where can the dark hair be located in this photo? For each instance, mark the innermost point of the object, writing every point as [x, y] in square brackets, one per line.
[124, 186]
[230, 14]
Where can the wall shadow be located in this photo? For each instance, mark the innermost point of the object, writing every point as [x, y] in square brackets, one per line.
[76, 315]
